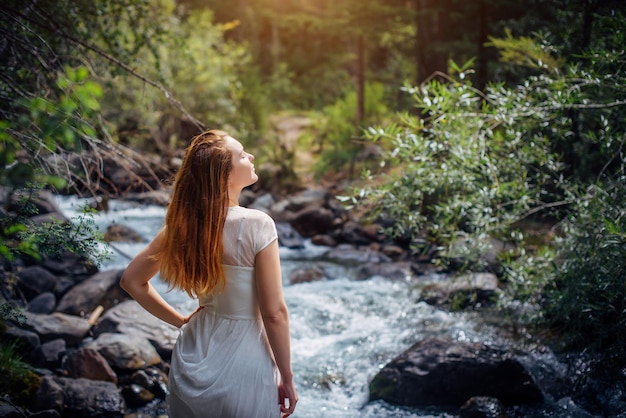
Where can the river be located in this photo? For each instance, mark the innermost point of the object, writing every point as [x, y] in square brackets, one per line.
[343, 330]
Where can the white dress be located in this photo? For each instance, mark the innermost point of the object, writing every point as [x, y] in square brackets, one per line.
[222, 365]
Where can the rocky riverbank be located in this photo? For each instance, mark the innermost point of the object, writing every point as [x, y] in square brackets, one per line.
[96, 353]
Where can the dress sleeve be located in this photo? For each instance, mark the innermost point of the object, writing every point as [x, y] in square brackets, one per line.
[265, 233]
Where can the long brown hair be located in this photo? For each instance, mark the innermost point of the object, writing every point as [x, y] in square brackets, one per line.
[191, 254]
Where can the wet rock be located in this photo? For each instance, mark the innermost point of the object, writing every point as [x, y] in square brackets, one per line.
[35, 280]
[11, 411]
[317, 197]
[49, 354]
[482, 407]
[152, 379]
[49, 395]
[136, 395]
[445, 373]
[49, 413]
[306, 275]
[289, 237]
[323, 239]
[43, 303]
[57, 325]
[90, 364]
[263, 203]
[474, 289]
[70, 265]
[26, 341]
[392, 251]
[126, 352]
[130, 318]
[389, 270]
[86, 398]
[122, 233]
[351, 233]
[313, 220]
[346, 253]
[100, 289]
[373, 232]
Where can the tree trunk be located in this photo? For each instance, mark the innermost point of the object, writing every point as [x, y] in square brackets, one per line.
[482, 70]
[360, 79]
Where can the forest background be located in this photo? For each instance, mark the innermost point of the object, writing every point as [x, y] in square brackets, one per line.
[452, 122]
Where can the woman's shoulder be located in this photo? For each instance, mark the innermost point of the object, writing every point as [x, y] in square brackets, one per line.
[255, 214]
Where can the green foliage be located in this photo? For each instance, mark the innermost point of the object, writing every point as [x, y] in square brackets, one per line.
[586, 301]
[526, 51]
[214, 78]
[467, 170]
[19, 237]
[338, 131]
[19, 382]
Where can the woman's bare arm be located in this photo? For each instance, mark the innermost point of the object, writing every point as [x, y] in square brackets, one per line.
[276, 320]
[136, 282]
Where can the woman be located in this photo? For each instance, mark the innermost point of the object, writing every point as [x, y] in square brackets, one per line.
[232, 357]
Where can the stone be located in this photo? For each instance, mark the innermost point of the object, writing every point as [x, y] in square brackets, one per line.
[50, 353]
[90, 364]
[126, 352]
[349, 254]
[70, 264]
[323, 239]
[49, 395]
[316, 197]
[482, 407]
[130, 318]
[91, 398]
[474, 289]
[122, 233]
[288, 237]
[388, 270]
[43, 303]
[313, 220]
[136, 395]
[351, 233]
[306, 275]
[100, 289]
[445, 373]
[57, 325]
[35, 280]
[26, 341]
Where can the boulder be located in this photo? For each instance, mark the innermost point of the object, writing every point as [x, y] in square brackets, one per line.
[482, 407]
[289, 237]
[446, 373]
[125, 352]
[90, 364]
[71, 265]
[349, 254]
[100, 289]
[389, 270]
[70, 328]
[35, 280]
[122, 233]
[43, 303]
[316, 197]
[81, 398]
[313, 220]
[130, 318]
[50, 353]
[306, 275]
[474, 289]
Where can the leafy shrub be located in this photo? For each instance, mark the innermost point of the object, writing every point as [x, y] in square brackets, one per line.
[587, 300]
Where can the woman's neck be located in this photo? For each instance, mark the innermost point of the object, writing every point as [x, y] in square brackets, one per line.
[233, 197]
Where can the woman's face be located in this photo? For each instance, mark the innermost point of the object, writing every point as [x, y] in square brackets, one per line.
[242, 173]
